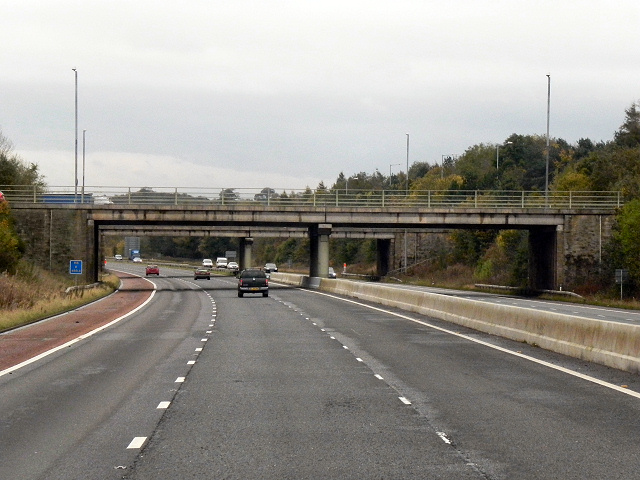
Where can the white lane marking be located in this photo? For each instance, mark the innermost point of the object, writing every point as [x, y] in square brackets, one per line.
[199, 349]
[359, 359]
[404, 400]
[345, 347]
[487, 344]
[191, 362]
[203, 340]
[209, 331]
[180, 379]
[81, 337]
[137, 442]
[444, 437]
[163, 405]
[378, 376]
[332, 338]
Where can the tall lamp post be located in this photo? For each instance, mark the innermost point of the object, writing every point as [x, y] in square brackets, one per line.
[546, 174]
[75, 198]
[407, 194]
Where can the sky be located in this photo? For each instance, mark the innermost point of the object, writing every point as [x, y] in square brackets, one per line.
[285, 94]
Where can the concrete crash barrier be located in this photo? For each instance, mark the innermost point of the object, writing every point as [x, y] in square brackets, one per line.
[612, 344]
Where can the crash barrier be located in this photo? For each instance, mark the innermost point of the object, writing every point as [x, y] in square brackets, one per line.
[612, 344]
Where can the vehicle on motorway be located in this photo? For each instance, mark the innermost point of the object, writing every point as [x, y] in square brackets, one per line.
[201, 273]
[152, 270]
[207, 263]
[2, 199]
[221, 262]
[233, 266]
[137, 260]
[332, 273]
[270, 267]
[253, 280]
[118, 257]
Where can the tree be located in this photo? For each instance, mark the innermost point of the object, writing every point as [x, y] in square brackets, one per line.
[13, 170]
[628, 134]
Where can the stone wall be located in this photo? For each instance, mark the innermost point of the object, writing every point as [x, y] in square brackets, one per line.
[583, 240]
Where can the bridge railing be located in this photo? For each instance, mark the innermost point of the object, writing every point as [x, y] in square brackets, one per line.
[313, 198]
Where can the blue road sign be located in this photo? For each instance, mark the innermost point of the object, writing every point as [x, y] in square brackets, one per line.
[75, 267]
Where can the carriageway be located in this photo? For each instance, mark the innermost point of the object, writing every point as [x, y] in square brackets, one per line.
[561, 225]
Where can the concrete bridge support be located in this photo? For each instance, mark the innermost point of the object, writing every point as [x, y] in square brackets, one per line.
[245, 259]
[319, 250]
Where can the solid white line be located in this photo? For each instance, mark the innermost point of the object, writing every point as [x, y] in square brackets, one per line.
[81, 337]
[490, 345]
[137, 442]
[163, 405]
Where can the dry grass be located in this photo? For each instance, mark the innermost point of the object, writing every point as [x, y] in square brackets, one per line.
[34, 294]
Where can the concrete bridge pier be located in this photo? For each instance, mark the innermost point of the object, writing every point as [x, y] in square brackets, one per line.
[245, 259]
[319, 250]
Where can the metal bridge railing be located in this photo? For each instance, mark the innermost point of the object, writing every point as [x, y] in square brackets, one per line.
[474, 199]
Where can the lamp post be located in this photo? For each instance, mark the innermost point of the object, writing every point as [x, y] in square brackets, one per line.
[407, 194]
[75, 197]
[546, 172]
[392, 165]
[498, 154]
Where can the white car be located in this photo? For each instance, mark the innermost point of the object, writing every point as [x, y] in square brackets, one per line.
[137, 260]
[221, 262]
[233, 266]
[118, 257]
[207, 263]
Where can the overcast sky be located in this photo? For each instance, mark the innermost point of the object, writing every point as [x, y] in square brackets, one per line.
[204, 93]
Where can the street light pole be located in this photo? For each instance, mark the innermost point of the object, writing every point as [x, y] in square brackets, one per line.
[75, 198]
[546, 176]
[498, 155]
[407, 194]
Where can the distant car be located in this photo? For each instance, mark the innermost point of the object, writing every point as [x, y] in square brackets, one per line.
[201, 273]
[118, 257]
[233, 266]
[207, 263]
[152, 270]
[137, 260]
[332, 273]
[270, 267]
[221, 262]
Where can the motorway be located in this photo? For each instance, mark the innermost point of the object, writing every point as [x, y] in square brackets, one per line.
[202, 384]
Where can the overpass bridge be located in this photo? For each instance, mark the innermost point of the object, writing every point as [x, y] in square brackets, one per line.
[563, 226]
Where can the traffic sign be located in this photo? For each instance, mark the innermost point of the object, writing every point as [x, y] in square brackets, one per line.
[75, 267]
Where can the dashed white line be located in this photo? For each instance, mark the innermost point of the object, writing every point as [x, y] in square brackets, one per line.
[180, 380]
[137, 442]
[163, 405]
[444, 437]
[379, 377]
[199, 349]
[404, 400]
[191, 362]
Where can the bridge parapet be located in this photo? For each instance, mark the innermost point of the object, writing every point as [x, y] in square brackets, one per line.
[236, 197]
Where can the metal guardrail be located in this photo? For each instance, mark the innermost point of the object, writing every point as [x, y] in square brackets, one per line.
[472, 199]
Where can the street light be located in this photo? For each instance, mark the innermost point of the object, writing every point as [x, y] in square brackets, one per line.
[392, 165]
[546, 174]
[75, 198]
[498, 154]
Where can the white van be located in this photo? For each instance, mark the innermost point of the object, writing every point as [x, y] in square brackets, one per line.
[221, 262]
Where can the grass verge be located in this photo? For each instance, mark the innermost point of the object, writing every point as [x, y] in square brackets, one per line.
[33, 295]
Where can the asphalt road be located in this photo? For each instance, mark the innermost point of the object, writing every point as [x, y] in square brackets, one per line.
[307, 385]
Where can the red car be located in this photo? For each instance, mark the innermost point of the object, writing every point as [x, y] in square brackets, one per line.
[152, 270]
